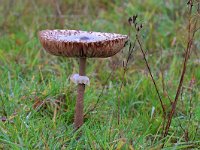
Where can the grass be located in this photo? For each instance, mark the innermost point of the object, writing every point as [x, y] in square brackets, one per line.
[30, 76]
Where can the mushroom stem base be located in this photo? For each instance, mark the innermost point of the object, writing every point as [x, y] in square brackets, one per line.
[78, 118]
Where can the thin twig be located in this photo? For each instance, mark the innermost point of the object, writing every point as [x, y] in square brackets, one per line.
[152, 78]
[132, 20]
[187, 54]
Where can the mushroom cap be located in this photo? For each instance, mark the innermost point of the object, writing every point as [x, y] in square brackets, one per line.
[76, 43]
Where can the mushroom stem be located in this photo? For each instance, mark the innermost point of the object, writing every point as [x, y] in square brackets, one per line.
[78, 118]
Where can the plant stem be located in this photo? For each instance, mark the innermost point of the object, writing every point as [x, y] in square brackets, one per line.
[187, 55]
[152, 78]
[78, 118]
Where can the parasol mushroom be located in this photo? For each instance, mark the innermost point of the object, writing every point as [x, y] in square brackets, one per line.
[81, 44]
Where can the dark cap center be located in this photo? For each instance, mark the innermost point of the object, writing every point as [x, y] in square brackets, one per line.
[84, 38]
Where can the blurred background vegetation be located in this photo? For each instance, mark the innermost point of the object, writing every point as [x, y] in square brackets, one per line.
[37, 99]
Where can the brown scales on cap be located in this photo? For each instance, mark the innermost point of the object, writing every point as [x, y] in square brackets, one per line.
[73, 43]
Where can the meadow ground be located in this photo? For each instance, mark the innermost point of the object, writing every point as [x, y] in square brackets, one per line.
[37, 99]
